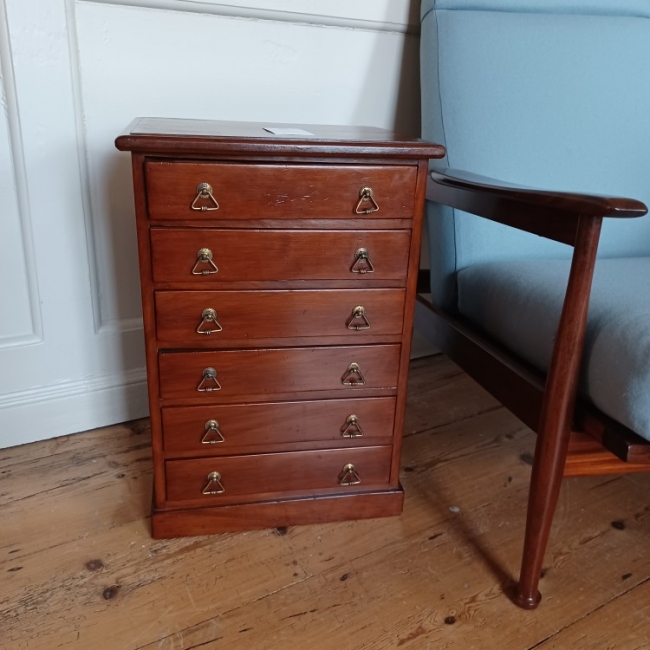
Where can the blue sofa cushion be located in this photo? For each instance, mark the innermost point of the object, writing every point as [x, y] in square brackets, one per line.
[519, 302]
[543, 93]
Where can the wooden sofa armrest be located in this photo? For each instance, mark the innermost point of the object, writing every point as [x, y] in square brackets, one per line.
[554, 215]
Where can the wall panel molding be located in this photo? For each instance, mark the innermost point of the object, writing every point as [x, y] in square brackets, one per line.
[32, 396]
[84, 164]
[261, 13]
[73, 406]
[9, 95]
[102, 327]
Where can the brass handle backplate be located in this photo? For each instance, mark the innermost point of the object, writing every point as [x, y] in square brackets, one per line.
[204, 264]
[351, 427]
[208, 315]
[362, 263]
[352, 376]
[204, 193]
[358, 319]
[208, 381]
[349, 475]
[213, 435]
[366, 198]
[214, 484]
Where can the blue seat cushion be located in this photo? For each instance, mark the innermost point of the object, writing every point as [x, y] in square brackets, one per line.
[519, 303]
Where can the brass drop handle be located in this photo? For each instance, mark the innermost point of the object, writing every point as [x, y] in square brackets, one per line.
[366, 198]
[209, 381]
[208, 316]
[213, 435]
[204, 193]
[353, 376]
[358, 319]
[351, 427]
[362, 263]
[204, 264]
[349, 475]
[214, 484]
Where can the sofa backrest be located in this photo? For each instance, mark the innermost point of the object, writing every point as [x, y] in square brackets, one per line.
[547, 93]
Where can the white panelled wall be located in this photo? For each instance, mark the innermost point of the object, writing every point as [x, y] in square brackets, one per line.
[73, 74]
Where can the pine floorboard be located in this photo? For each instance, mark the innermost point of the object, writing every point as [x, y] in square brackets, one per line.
[78, 568]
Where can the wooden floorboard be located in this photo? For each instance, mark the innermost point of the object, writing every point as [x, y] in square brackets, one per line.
[79, 569]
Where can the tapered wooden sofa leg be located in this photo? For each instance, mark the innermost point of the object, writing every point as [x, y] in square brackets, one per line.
[557, 411]
[545, 483]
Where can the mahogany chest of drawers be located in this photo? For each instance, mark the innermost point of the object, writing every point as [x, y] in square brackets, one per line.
[278, 281]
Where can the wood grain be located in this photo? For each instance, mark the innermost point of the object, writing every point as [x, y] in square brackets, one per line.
[80, 570]
[210, 137]
[586, 457]
[283, 191]
[554, 215]
[412, 278]
[279, 514]
[270, 372]
[629, 613]
[248, 316]
[556, 416]
[266, 255]
[276, 426]
[265, 477]
[149, 322]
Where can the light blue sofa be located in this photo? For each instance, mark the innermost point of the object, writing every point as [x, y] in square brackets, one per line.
[551, 94]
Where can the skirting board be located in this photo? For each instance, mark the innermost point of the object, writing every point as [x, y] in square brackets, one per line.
[72, 407]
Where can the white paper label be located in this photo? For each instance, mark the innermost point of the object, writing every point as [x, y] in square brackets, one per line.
[276, 130]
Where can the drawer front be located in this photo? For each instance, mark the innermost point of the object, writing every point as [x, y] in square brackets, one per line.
[265, 475]
[219, 429]
[215, 376]
[248, 315]
[180, 190]
[211, 256]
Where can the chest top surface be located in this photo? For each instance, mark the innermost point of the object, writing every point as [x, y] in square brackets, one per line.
[167, 135]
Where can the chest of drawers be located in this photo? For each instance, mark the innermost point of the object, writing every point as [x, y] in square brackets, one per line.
[278, 281]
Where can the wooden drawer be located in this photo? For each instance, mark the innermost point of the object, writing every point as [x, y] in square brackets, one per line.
[263, 476]
[220, 429]
[214, 316]
[208, 256]
[277, 191]
[274, 371]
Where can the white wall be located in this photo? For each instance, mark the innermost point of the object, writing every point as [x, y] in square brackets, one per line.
[73, 75]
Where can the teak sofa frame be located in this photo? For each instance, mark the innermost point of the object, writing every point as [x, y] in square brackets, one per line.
[573, 437]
